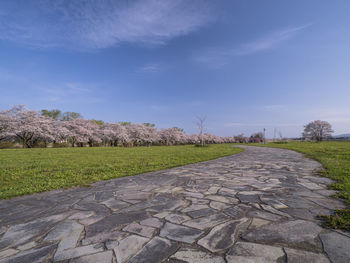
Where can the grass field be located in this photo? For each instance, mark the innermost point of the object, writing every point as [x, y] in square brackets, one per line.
[335, 157]
[27, 171]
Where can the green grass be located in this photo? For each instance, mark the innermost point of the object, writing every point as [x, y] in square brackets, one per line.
[335, 158]
[27, 171]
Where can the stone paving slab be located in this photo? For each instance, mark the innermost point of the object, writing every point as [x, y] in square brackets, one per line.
[257, 206]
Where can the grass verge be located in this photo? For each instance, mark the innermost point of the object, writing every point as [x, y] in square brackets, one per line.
[335, 158]
[28, 171]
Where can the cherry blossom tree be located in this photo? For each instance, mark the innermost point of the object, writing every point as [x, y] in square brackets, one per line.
[172, 136]
[193, 139]
[48, 126]
[29, 126]
[83, 131]
[317, 130]
[115, 133]
[6, 122]
[141, 134]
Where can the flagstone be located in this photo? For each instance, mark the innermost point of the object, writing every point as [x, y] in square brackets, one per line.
[258, 206]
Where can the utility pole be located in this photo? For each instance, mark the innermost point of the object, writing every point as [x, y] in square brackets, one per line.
[264, 136]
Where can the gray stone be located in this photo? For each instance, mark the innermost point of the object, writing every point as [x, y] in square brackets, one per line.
[180, 233]
[129, 247]
[243, 252]
[298, 202]
[22, 233]
[311, 186]
[90, 220]
[177, 218]
[223, 199]
[301, 256]
[27, 246]
[296, 233]
[218, 205]
[227, 191]
[136, 228]
[68, 232]
[327, 203]
[78, 252]
[168, 206]
[320, 180]
[157, 250]
[336, 246]
[38, 254]
[257, 223]
[213, 190]
[234, 212]
[222, 236]
[102, 257]
[103, 236]
[194, 208]
[247, 198]
[2, 230]
[203, 212]
[153, 222]
[300, 213]
[8, 252]
[264, 215]
[194, 195]
[113, 221]
[274, 211]
[196, 201]
[206, 222]
[114, 204]
[327, 192]
[111, 244]
[162, 214]
[196, 256]
[99, 209]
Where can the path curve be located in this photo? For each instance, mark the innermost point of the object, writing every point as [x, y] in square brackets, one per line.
[256, 206]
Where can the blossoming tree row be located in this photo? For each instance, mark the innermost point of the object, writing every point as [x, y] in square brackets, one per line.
[31, 128]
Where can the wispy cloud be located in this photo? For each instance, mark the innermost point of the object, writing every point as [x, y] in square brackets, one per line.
[149, 68]
[100, 24]
[337, 115]
[241, 124]
[62, 92]
[76, 87]
[273, 107]
[220, 56]
[160, 108]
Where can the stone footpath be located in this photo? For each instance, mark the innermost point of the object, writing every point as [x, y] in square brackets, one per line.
[256, 206]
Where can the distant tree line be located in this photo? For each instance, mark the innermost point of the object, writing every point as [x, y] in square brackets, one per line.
[32, 129]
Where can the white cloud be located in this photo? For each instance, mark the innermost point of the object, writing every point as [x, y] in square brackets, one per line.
[218, 57]
[100, 24]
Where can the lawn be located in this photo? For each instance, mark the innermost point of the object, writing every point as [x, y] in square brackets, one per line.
[27, 171]
[335, 158]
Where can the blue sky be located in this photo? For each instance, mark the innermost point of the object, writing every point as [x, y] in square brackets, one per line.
[244, 64]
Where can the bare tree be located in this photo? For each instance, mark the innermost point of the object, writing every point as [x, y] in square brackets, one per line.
[317, 130]
[200, 124]
[240, 138]
[280, 135]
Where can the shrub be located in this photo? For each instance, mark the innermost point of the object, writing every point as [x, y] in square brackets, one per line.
[7, 145]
